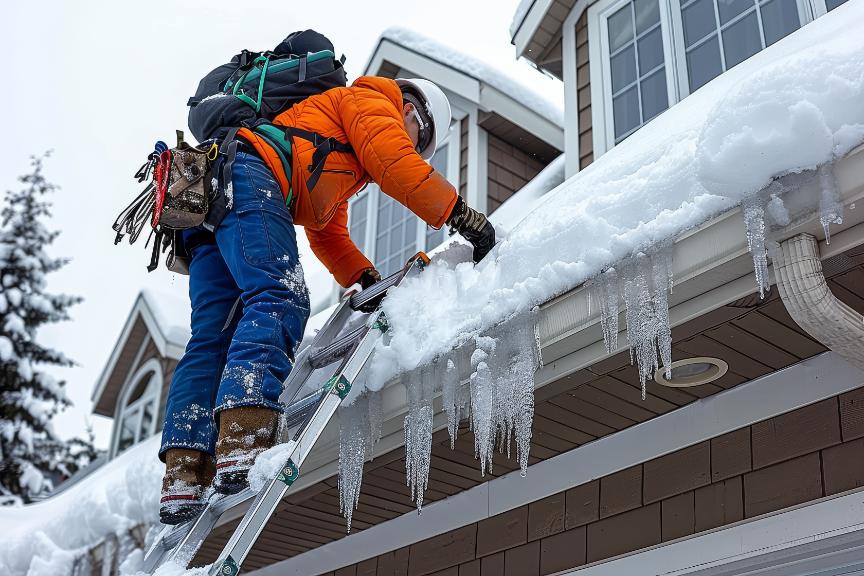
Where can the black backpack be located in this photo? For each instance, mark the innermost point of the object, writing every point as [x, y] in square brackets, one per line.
[255, 86]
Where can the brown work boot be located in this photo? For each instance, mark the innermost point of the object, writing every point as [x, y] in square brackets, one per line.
[188, 474]
[244, 433]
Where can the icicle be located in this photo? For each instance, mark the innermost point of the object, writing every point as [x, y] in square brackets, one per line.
[754, 223]
[359, 429]
[418, 434]
[455, 398]
[482, 405]
[647, 281]
[604, 292]
[830, 209]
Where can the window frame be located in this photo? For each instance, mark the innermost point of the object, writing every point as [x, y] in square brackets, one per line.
[674, 59]
[374, 193]
[153, 393]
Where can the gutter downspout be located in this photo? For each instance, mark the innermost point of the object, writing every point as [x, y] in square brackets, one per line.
[812, 305]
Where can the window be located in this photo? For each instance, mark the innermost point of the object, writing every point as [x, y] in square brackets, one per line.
[136, 416]
[385, 230]
[718, 34]
[636, 65]
[653, 53]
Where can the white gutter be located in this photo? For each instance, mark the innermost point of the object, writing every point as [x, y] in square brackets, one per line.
[811, 303]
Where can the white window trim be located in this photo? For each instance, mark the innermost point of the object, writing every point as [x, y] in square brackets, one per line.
[153, 392]
[453, 144]
[677, 80]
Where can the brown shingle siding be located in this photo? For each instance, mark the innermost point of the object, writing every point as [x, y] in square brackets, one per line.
[677, 472]
[492, 565]
[582, 504]
[624, 532]
[546, 516]
[368, 567]
[563, 551]
[444, 551]
[393, 563]
[843, 466]
[523, 560]
[730, 454]
[782, 485]
[795, 433]
[719, 504]
[502, 531]
[583, 93]
[621, 491]
[470, 569]
[509, 169]
[463, 157]
[852, 414]
[678, 516]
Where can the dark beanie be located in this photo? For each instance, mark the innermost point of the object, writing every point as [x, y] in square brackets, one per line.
[302, 42]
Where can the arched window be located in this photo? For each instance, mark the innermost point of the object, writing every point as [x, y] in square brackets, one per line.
[136, 414]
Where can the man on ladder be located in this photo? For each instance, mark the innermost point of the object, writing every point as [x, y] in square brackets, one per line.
[249, 300]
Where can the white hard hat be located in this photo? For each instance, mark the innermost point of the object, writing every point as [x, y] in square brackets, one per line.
[437, 108]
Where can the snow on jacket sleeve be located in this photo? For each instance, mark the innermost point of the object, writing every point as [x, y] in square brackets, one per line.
[333, 246]
[375, 130]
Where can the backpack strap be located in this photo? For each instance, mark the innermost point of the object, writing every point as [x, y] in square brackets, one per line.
[323, 148]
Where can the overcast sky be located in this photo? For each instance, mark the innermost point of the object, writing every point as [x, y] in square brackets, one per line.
[100, 81]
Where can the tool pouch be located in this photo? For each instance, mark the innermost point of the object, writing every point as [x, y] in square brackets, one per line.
[183, 186]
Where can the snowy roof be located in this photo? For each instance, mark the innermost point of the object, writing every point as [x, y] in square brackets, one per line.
[791, 107]
[519, 16]
[482, 71]
[49, 535]
[172, 312]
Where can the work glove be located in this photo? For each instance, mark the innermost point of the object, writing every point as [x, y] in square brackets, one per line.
[474, 227]
[367, 278]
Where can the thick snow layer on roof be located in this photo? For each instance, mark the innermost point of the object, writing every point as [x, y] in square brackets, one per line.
[519, 16]
[794, 106]
[171, 310]
[43, 539]
[487, 73]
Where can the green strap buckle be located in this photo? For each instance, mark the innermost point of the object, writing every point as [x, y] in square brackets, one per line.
[289, 473]
[381, 323]
[227, 568]
[340, 385]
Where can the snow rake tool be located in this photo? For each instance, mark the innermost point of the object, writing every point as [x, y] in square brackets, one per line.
[345, 339]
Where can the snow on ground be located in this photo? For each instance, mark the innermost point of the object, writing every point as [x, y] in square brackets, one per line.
[43, 539]
[484, 72]
[792, 107]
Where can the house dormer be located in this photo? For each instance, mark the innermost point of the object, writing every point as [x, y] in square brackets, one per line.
[502, 135]
[624, 62]
[133, 386]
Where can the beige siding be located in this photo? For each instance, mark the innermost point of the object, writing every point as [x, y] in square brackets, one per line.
[583, 88]
[509, 170]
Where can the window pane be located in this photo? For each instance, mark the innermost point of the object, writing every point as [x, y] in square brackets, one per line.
[625, 108]
[779, 17]
[146, 420]
[623, 69]
[654, 96]
[741, 40]
[434, 237]
[439, 161]
[831, 4]
[731, 8]
[358, 217]
[698, 21]
[647, 14]
[140, 388]
[620, 28]
[650, 51]
[127, 431]
[703, 63]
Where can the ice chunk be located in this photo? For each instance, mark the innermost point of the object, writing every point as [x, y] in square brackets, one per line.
[455, 397]
[647, 281]
[359, 430]
[418, 433]
[830, 208]
[754, 223]
[604, 291]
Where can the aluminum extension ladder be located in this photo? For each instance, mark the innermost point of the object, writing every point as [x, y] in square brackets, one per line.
[306, 416]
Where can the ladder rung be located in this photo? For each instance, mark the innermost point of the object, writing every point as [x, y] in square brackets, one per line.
[374, 291]
[296, 412]
[326, 355]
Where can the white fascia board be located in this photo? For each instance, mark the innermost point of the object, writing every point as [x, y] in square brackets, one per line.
[804, 540]
[804, 383]
[493, 99]
[530, 23]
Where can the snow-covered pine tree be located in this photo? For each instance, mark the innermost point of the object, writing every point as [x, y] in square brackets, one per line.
[29, 397]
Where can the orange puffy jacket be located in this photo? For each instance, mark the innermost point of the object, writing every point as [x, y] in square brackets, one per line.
[368, 116]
